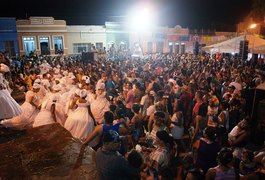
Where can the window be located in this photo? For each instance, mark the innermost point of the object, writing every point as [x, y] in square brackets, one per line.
[44, 44]
[159, 47]
[79, 48]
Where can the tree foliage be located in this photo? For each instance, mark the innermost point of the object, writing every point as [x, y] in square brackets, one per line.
[258, 11]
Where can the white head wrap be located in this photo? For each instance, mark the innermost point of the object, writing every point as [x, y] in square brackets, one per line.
[37, 81]
[36, 86]
[85, 77]
[88, 81]
[56, 87]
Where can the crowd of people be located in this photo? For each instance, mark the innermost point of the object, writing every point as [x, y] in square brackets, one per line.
[135, 112]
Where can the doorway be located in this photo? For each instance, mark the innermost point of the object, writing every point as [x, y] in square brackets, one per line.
[44, 45]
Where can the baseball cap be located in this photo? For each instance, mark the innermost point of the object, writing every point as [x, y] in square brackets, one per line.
[111, 136]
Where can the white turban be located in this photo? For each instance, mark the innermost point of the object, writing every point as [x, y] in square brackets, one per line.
[36, 86]
[56, 87]
[85, 77]
[37, 81]
[88, 81]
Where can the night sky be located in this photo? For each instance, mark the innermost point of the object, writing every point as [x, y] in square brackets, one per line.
[207, 14]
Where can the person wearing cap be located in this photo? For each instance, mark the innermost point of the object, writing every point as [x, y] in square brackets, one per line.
[30, 109]
[110, 164]
[99, 104]
[8, 106]
[80, 123]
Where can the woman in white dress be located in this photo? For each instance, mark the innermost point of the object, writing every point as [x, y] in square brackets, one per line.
[59, 105]
[9, 108]
[99, 104]
[29, 108]
[81, 122]
[47, 113]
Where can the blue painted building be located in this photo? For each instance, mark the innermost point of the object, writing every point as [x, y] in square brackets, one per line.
[8, 36]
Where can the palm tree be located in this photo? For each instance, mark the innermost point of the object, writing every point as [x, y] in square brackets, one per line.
[258, 11]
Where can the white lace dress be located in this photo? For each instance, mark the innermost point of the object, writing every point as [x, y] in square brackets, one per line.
[9, 108]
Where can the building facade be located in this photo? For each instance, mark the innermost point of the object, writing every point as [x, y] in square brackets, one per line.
[8, 36]
[42, 36]
[85, 38]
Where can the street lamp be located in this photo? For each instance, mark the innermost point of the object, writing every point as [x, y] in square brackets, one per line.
[253, 26]
[141, 19]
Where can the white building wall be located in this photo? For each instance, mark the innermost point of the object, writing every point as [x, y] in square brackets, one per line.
[85, 34]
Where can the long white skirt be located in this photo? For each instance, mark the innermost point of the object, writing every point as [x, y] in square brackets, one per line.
[29, 112]
[9, 108]
[43, 118]
[79, 123]
[60, 114]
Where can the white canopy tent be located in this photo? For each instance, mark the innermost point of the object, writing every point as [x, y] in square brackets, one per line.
[259, 49]
[256, 45]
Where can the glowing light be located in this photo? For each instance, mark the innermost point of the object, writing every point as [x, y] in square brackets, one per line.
[141, 19]
[252, 26]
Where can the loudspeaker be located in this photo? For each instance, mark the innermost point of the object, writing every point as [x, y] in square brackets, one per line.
[87, 57]
[243, 49]
[260, 111]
